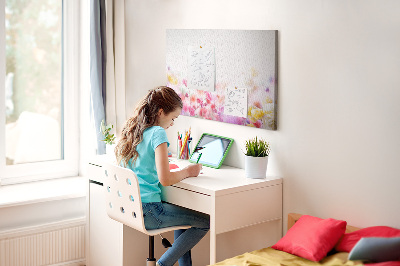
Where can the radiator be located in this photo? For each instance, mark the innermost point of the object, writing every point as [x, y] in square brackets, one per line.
[61, 243]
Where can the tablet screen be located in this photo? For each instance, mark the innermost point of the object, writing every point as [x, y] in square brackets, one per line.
[211, 149]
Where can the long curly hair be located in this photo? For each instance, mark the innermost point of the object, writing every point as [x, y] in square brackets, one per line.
[145, 116]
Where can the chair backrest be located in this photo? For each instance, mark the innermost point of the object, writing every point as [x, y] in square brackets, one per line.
[123, 201]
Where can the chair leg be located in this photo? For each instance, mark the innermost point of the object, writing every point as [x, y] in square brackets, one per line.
[151, 261]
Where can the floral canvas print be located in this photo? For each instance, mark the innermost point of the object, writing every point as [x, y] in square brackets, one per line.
[244, 59]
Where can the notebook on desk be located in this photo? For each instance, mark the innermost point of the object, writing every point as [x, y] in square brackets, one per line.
[173, 167]
[176, 164]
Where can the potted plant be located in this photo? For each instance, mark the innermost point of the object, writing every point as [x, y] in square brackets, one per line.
[109, 138]
[256, 158]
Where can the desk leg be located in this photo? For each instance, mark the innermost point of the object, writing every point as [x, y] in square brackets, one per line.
[213, 246]
[213, 235]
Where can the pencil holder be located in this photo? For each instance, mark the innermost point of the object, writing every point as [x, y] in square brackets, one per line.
[184, 145]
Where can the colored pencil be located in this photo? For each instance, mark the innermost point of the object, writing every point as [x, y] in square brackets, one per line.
[183, 146]
[198, 158]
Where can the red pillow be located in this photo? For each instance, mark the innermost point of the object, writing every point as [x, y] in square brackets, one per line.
[349, 240]
[311, 237]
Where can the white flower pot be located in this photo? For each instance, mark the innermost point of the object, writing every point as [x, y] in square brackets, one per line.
[255, 167]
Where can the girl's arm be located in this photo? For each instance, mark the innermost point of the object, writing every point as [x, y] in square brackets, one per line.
[167, 177]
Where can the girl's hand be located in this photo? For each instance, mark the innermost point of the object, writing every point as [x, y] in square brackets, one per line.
[165, 176]
[193, 170]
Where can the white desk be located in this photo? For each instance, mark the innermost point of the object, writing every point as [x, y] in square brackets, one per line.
[232, 200]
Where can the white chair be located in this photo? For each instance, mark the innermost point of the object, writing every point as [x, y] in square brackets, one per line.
[125, 205]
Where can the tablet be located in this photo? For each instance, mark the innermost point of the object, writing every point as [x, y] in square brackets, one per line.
[211, 150]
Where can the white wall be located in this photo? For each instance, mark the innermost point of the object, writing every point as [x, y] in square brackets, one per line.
[337, 145]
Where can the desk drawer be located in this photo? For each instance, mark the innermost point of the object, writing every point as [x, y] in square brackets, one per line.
[186, 198]
[238, 210]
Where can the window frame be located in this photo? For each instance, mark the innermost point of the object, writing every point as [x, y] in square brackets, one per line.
[69, 165]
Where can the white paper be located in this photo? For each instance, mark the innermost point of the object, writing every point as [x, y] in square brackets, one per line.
[201, 68]
[236, 102]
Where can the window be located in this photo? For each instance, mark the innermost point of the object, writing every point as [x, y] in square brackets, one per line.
[39, 88]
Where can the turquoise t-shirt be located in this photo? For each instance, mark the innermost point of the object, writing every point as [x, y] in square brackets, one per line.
[145, 165]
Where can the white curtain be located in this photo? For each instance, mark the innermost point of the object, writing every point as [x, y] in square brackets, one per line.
[115, 81]
[98, 62]
[107, 66]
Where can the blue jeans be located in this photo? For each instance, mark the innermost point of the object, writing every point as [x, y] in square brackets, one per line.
[161, 214]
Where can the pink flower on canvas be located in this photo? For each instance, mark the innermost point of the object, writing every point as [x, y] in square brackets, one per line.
[200, 102]
[185, 109]
[192, 99]
[212, 106]
[192, 110]
[257, 104]
[184, 81]
[257, 124]
[204, 113]
[208, 97]
[185, 100]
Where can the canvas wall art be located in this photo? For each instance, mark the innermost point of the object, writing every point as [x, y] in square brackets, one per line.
[225, 75]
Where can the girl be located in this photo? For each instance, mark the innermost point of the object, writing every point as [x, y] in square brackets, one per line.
[143, 148]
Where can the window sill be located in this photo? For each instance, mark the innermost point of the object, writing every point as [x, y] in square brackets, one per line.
[42, 191]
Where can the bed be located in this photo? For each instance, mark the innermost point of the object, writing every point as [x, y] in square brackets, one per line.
[343, 239]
